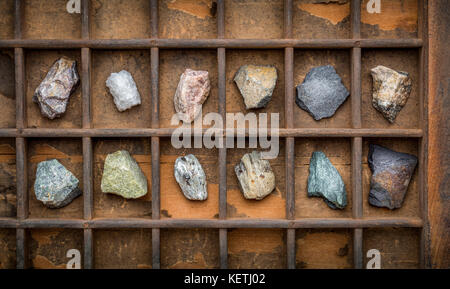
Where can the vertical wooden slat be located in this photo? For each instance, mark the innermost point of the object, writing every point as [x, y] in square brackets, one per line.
[423, 143]
[88, 249]
[221, 62]
[290, 141]
[357, 205]
[88, 191]
[85, 25]
[154, 18]
[154, 55]
[21, 147]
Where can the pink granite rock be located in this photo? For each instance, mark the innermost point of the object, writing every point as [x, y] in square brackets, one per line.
[192, 91]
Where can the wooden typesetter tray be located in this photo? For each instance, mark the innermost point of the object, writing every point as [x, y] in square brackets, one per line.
[156, 42]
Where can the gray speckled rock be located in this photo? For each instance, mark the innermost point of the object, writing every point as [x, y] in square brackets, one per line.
[191, 178]
[255, 176]
[321, 92]
[124, 90]
[256, 84]
[390, 91]
[325, 181]
[122, 176]
[55, 186]
[52, 95]
[391, 173]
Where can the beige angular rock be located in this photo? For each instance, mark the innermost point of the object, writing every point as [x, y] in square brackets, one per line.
[390, 91]
[256, 84]
[255, 176]
[192, 91]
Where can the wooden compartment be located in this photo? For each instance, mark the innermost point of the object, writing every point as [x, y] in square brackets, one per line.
[48, 247]
[8, 189]
[321, 19]
[7, 249]
[256, 249]
[118, 19]
[104, 111]
[69, 153]
[324, 249]
[254, 19]
[398, 247]
[7, 19]
[235, 58]
[304, 61]
[401, 60]
[338, 151]
[7, 89]
[38, 63]
[274, 205]
[188, 19]
[173, 62]
[114, 206]
[411, 202]
[398, 19]
[123, 249]
[49, 19]
[189, 249]
[173, 203]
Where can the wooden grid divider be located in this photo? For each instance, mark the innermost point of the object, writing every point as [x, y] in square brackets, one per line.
[355, 45]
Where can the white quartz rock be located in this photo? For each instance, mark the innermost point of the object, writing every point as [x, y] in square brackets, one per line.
[124, 90]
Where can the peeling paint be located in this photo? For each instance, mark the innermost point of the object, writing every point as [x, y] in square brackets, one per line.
[333, 12]
[197, 8]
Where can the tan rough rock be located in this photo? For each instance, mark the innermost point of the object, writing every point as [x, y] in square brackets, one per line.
[256, 178]
[192, 91]
[256, 84]
[390, 91]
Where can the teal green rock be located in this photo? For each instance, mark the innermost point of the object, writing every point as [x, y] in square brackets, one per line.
[123, 176]
[325, 181]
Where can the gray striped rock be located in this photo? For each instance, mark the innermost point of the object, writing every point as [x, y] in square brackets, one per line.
[191, 178]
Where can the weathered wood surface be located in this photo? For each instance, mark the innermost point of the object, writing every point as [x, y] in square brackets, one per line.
[439, 129]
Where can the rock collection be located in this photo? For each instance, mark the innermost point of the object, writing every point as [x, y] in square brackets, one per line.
[123, 89]
[52, 95]
[321, 92]
[190, 176]
[123, 176]
[390, 91]
[325, 181]
[255, 176]
[391, 173]
[55, 186]
[192, 91]
[256, 84]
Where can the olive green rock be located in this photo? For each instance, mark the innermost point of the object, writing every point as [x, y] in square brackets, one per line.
[123, 176]
[325, 181]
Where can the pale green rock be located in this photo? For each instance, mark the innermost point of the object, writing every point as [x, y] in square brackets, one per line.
[123, 176]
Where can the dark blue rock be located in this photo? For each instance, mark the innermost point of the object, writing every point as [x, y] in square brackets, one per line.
[391, 173]
[321, 92]
[325, 181]
[55, 186]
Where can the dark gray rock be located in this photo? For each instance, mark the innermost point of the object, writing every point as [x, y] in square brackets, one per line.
[191, 178]
[325, 181]
[55, 186]
[52, 95]
[391, 173]
[321, 92]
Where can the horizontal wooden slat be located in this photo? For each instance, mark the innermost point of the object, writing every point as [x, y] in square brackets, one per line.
[123, 223]
[167, 132]
[209, 43]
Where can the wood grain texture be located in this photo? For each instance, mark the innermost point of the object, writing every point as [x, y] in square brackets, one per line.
[8, 188]
[439, 128]
[7, 249]
[7, 92]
